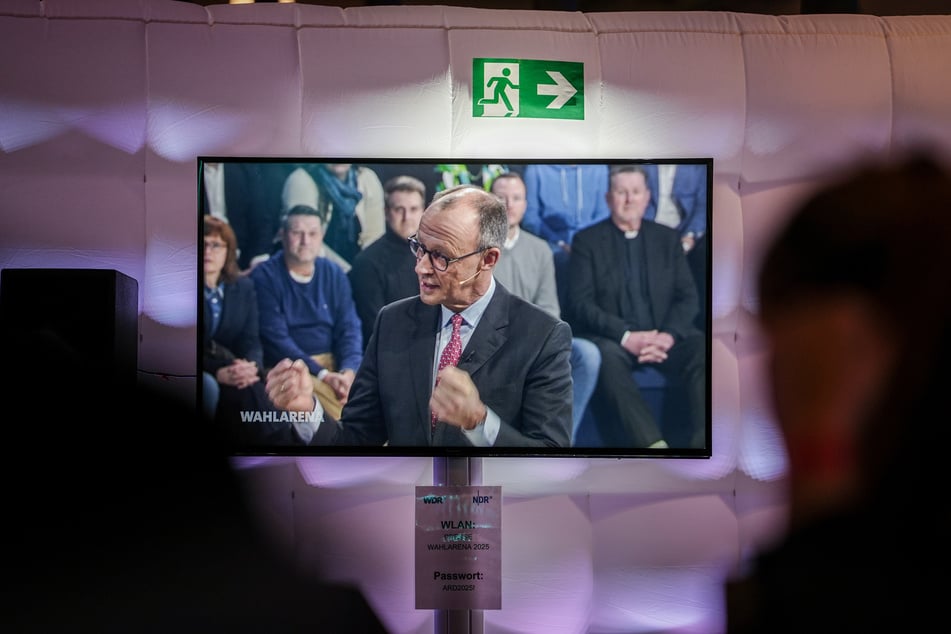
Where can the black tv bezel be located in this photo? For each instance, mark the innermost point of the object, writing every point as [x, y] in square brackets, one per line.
[469, 452]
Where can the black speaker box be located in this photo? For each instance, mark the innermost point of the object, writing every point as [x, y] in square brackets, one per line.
[91, 312]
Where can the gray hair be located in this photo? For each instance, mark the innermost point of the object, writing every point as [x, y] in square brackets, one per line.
[493, 219]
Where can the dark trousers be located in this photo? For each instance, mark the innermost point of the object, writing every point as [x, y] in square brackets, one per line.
[618, 400]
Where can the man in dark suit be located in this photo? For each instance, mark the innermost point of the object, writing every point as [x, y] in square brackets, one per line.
[632, 292]
[512, 386]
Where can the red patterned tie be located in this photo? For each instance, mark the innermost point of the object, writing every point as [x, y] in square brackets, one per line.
[450, 356]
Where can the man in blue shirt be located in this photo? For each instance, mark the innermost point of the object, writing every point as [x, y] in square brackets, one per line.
[678, 199]
[307, 311]
[560, 201]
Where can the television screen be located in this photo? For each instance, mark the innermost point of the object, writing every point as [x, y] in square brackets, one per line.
[582, 289]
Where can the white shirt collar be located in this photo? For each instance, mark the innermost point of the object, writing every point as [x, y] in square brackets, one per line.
[473, 313]
[510, 242]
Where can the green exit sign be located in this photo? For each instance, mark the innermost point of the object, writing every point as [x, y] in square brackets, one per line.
[527, 88]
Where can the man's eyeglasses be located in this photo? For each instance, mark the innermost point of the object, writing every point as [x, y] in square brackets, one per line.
[439, 261]
[215, 246]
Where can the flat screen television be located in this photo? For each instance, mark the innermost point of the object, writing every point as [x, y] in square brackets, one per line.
[252, 195]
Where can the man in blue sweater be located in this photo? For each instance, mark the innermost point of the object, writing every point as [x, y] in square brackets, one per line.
[306, 309]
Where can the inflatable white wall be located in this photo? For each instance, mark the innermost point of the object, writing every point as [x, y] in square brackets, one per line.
[105, 105]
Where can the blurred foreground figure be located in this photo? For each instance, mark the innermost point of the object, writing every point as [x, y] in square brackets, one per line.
[123, 514]
[856, 305]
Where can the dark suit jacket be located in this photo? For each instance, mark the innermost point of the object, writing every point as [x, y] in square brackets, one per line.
[238, 330]
[237, 337]
[518, 357]
[597, 281]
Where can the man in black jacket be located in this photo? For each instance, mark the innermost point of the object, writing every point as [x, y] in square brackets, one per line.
[632, 293]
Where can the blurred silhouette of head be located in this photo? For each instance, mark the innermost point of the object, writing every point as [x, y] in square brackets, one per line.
[855, 301]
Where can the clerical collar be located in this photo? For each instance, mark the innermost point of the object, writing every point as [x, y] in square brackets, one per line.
[630, 234]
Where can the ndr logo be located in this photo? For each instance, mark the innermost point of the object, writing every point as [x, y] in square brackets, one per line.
[434, 499]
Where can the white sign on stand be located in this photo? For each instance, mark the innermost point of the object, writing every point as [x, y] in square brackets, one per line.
[458, 548]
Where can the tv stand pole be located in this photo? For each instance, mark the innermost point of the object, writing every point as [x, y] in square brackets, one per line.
[457, 471]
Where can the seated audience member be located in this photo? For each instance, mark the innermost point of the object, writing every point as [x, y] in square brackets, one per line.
[299, 188]
[633, 294]
[678, 199]
[138, 523]
[563, 199]
[247, 195]
[232, 352]
[355, 206]
[560, 201]
[855, 306]
[306, 309]
[464, 362]
[384, 271]
[526, 268]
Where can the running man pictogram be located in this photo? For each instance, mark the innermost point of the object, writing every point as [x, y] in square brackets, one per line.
[499, 85]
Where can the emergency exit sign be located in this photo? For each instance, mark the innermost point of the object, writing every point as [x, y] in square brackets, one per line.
[527, 88]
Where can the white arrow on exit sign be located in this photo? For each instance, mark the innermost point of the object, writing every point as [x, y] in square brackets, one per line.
[561, 90]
